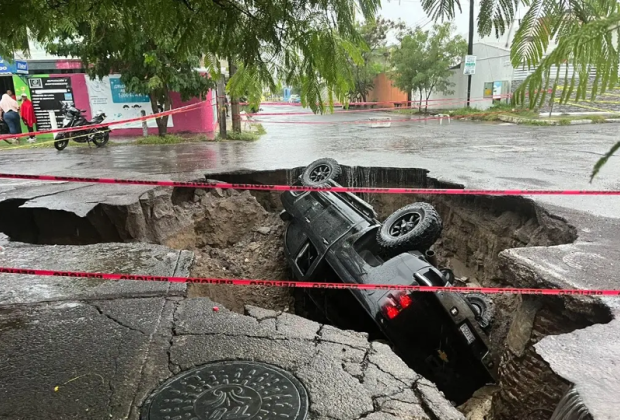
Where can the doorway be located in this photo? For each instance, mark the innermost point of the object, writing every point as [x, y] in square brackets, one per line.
[6, 83]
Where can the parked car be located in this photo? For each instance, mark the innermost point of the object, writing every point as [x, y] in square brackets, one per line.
[294, 99]
[337, 237]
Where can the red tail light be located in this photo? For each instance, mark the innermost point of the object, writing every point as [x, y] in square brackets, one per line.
[395, 303]
[405, 300]
[391, 311]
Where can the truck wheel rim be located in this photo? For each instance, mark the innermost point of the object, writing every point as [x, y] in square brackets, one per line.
[320, 173]
[404, 224]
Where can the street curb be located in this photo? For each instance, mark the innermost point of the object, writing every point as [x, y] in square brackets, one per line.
[517, 120]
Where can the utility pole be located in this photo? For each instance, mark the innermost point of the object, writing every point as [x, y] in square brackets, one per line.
[221, 105]
[235, 112]
[470, 46]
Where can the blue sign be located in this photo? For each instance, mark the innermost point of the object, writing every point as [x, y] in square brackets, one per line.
[22, 67]
[19, 67]
[6, 67]
[120, 96]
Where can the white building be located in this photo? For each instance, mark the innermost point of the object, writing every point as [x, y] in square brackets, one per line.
[491, 81]
[494, 76]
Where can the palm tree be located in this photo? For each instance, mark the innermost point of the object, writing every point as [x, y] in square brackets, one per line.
[571, 46]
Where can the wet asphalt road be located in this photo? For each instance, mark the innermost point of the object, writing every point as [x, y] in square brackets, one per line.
[477, 155]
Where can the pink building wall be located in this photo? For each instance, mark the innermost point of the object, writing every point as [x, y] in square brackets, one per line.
[197, 120]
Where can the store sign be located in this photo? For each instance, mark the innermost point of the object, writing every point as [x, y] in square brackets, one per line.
[108, 95]
[17, 67]
[49, 94]
[120, 96]
[68, 64]
[470, 65]
[21, 67]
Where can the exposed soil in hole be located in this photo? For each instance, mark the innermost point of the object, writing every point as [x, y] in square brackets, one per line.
[239, 235]
[234, 236]
[255, 255]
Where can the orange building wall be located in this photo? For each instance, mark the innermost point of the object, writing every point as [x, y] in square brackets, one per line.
[385, 92]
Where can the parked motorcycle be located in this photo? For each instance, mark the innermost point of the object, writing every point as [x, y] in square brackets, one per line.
[73, 118]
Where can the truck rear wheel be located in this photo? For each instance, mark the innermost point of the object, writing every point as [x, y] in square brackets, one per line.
[415, 227]
[319, 172]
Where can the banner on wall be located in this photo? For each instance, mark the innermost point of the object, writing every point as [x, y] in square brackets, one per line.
[497, 90]
[108, 95]
[49, 94]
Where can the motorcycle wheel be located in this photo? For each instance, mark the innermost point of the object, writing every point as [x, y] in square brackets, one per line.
[60, 144]
[101, 140]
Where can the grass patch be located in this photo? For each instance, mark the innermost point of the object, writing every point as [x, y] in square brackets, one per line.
[253, 134]
[260, 130]
[540, 123]
[48, 142]
[239, 136]
[564, 121]
[492, 113]
[407, 111]
[597, 119]
[42, 142]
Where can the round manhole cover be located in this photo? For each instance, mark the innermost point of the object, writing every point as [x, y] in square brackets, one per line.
[229, 391]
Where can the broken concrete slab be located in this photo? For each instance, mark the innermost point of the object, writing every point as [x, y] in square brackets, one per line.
[593, 368]
[155, 260]
[334, 392]
[80, 199]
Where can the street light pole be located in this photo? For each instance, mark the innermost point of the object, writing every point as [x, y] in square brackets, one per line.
[470, 46]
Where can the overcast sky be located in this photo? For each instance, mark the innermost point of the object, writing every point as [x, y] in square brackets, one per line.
[410, 12]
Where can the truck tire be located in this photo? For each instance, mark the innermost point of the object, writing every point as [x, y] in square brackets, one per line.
[483, 308]
[319, 172]
[414, 227]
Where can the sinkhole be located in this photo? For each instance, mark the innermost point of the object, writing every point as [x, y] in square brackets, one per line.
[238, 234]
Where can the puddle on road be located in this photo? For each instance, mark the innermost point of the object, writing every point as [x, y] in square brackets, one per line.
[239, 234]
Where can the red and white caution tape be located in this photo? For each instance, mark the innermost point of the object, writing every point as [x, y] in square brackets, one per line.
[265, 187]
[505, 96]
[412, 118]
[345, 111]
[307, 285]
[107, 124]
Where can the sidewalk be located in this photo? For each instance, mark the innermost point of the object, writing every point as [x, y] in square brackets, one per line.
[93, 349]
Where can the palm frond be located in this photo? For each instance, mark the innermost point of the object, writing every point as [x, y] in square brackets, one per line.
[497, 14]
[441, 9]
[593, 47]
[534, 34]
[602, 161]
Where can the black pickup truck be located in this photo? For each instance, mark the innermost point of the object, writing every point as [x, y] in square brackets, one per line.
[440, 335]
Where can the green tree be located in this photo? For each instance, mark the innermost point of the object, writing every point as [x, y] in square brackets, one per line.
[148, 65]
[423, 61]
[374, 34]
[297, 42]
